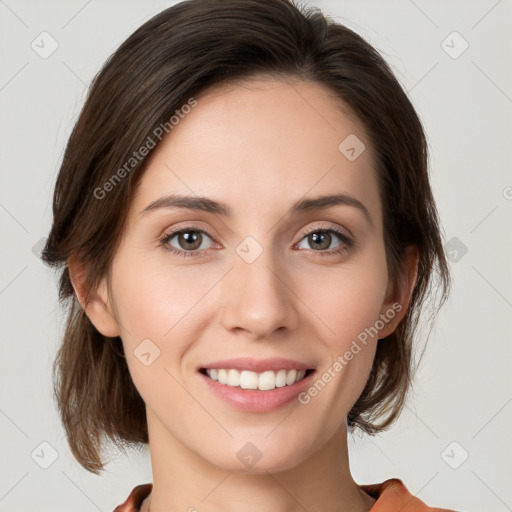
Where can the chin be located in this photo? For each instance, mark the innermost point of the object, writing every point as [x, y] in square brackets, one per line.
[253, 457]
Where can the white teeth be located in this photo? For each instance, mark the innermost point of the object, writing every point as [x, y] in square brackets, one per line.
[251, 380]
[248, 380]
[291, 377]
[233, 378]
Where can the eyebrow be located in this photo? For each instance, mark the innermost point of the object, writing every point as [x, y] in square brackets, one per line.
[205, 204]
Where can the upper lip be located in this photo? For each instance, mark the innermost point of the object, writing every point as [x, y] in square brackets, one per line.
[258, 365]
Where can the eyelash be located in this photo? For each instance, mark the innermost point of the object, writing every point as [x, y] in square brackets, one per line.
[346, 245]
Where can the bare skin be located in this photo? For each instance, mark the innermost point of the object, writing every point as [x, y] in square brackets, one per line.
[258, 147]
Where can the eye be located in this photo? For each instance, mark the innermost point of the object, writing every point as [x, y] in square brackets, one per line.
[322, 237]
[190, 241]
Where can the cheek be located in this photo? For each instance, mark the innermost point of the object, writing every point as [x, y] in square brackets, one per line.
[161, 310]
[347, 300]
[155, 300]
[347, 303]
[157, 310]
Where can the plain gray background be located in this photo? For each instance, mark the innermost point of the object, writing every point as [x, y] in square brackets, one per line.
[462, 401]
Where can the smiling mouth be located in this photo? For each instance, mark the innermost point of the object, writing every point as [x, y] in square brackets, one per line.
[263, 381]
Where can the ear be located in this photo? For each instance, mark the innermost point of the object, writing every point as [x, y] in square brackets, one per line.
[97, 306]
[397, 300]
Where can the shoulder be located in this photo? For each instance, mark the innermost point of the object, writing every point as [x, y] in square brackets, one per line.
[393, 493]
[135, 499]
[389, 494]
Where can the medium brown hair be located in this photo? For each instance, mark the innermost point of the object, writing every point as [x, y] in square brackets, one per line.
[174, 56]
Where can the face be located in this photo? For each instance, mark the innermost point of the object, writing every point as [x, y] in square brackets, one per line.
[191, 287]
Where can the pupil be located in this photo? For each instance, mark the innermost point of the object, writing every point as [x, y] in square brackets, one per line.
[189, 239]
[319, 238]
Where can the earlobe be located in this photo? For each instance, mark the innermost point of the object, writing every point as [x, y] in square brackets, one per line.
[397, 303]
[97, 305]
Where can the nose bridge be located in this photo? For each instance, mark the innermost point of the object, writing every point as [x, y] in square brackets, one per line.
[260, 300]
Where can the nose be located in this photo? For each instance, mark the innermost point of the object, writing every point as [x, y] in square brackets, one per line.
[258, 298]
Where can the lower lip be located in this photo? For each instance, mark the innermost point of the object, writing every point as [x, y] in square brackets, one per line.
[255, 400]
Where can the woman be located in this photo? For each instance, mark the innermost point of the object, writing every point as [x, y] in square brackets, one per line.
[247, 234]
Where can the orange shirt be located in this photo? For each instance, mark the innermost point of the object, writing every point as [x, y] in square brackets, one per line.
[391, 496]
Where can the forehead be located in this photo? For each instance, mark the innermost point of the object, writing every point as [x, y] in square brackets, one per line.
[261, 145]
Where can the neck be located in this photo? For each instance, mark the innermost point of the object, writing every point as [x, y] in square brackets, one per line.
[183, 480]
